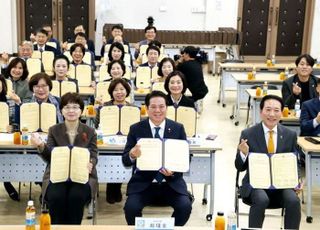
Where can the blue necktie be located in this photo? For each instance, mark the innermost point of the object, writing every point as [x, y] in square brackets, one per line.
[159, 176]
[41, 49]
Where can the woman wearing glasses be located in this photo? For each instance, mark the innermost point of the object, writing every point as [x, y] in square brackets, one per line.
[40, 84]
[66, 200]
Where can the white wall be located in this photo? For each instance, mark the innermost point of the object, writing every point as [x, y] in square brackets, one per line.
[168, 14]
[315, 39]
[8, 26]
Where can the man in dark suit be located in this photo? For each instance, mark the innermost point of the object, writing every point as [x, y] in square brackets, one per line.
[268, 137]
[153, 53]
[147, 187]
[310, 115]
[41, 39]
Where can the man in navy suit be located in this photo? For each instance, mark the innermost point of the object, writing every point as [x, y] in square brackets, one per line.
[147, 187]
[310, 115]
[41, 39]
[258, 139]
[153, 53]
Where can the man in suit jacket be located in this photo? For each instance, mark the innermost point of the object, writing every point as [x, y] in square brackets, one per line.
[41, 39]
[310, 115]
[144, 187]
[256, 139]
[301, 85]
[153, 53]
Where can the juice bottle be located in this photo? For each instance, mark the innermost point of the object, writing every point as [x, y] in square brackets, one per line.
[220, 222]
[45, 219]
[143, 110]
[30, 216]
[16, 135]
[24, 136]
[285, 112]
[99, 136]
[265, 88]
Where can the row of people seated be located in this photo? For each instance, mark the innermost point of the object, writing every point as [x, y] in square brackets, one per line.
[62, 197]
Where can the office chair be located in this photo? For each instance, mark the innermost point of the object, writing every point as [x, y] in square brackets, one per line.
[247, 202]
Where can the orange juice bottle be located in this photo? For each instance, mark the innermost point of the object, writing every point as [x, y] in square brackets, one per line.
[282, 76]
[269, 63]
[90, 109]
[285, 112]
[250, 76]
[143, 110]
[45, 219]
[16, 135]
[258, 91]
[220, 222]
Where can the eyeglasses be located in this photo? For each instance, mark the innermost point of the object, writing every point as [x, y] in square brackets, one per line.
[37, 87]
[71, 107]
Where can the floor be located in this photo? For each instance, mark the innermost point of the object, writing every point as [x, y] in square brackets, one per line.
[214, 120]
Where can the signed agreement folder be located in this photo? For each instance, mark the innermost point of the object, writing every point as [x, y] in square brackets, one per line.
[70, 164]
[37, 117]
[171, 154]
[59, 88]
[116, 119]
[186, 116]
[277, 171]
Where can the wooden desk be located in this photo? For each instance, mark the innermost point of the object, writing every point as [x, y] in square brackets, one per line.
[243, 83]
[93, 227]
[226, 69]
[312, 160]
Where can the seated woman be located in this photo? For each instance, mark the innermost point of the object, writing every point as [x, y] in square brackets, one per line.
[40, 84]
[77, 52]
[302, 85]
[17, 73]
[176, 86]
[166, 66]
[116, 52]
[66, 200]
[60, 67]
[119, 89]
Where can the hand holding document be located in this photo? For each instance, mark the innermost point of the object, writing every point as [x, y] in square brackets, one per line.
[170, 154]
[279, 171]
[66, 163]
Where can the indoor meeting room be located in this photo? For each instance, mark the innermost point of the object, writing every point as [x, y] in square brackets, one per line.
[195, 115]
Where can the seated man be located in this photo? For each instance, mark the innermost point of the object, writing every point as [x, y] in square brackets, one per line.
[301, 85]
[268, 137]
[153, 53]
[116, 32]
[168, 185]
[150, 33]
[41, 39]
[310, 115]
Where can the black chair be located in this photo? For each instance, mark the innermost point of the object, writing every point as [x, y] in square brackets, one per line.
[247, 202]
[273, 87]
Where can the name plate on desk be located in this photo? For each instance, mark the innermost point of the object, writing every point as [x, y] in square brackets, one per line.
[154, 223]
[195, 141]
[115, 140]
